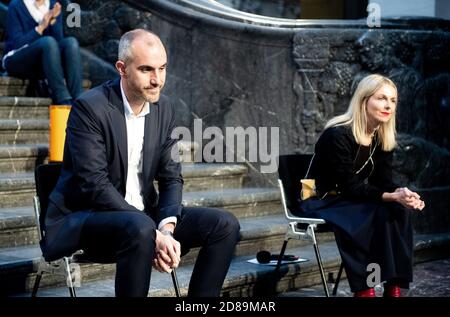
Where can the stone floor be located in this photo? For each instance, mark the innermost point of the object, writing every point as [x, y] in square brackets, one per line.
[431, 279]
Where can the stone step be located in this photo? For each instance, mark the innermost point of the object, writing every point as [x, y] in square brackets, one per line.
[244, 279]
[243, 202]
[202, 177]
[17, 227]
[20, 263]
[17, 186]
[267, 233]
[199, 176]
[21, 131]
[24, 107]
[257, 233]
[17, 222]
[13, 81]
[12, 86]
[16, 189]
[22, 157]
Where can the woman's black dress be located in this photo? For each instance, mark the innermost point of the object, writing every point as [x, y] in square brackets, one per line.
[367, 229]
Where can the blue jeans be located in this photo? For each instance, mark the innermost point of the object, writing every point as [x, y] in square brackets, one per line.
[45, 58]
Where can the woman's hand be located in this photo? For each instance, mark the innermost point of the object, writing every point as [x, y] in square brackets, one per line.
[406, 198]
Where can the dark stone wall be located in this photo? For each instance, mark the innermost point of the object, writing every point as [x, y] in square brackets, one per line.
[103, 23]
[424, 166]
[330, 62]
[234, 75]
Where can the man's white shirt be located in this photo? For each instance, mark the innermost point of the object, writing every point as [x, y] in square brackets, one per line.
[135, 143]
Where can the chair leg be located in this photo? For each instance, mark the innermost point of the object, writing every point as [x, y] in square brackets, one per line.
[322, 273]
[338, 279]
[72, 291]
[69, 278]
[283, 249]
[36, 284]
[175, 283]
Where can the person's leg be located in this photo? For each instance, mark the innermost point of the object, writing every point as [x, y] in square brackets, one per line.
[217, 233]
[392, 245]
[355, 261]
[124, 237]
[41, 59]
[70, 55]
[394, 252]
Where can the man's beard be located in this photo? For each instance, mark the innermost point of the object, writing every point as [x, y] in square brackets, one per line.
[152, 97]
[142, 94]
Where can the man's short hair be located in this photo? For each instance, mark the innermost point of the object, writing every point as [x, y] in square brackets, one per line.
[125, 42]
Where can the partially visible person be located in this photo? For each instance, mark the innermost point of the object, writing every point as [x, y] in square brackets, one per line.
[35, 48]
[353, 172]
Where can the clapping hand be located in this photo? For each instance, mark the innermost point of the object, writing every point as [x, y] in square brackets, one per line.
[49, 18]
[56, 11]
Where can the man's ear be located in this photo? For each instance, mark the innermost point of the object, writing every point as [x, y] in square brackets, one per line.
[121, 68]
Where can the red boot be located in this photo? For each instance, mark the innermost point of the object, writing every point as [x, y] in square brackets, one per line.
[392, 291]
[366, 293]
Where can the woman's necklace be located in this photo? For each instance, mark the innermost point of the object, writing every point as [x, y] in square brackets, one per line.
[371, 152]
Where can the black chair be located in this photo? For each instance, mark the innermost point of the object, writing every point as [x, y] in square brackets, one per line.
[291, 169]
[46, 177]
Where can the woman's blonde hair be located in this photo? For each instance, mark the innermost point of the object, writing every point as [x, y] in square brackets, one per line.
[356, 114]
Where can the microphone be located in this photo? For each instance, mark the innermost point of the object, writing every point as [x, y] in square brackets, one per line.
[266, 257]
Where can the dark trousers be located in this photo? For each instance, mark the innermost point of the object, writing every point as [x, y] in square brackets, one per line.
[128, 238]
[391, 248]
[45, 58]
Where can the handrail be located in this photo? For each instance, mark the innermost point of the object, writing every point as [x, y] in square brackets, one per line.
[209, 11]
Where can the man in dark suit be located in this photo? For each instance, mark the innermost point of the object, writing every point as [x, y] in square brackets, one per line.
[118, 141]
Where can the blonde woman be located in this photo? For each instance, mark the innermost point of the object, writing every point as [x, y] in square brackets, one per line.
[370, 213]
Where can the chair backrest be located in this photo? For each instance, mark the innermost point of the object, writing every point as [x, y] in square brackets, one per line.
[291, 169]
[46, 176]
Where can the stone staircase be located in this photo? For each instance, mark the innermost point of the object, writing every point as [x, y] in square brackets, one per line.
[24, 144]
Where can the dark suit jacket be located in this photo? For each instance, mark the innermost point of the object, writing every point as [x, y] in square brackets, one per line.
[94, 172]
